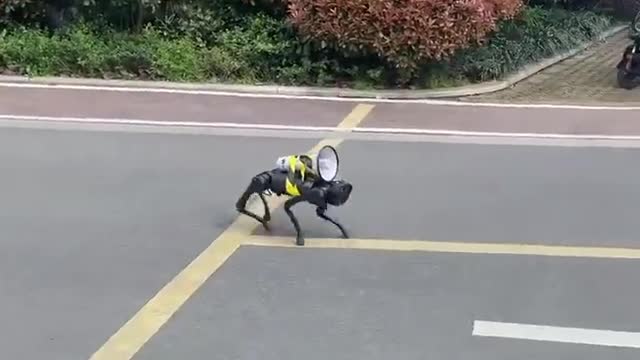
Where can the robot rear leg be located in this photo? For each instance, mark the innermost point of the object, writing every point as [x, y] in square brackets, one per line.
[259, 184]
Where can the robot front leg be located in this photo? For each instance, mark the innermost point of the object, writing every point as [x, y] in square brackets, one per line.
[259, 184]
[287, 208]
[320, 211]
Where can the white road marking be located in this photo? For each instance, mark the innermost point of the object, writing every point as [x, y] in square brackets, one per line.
[294, 134]
[496, 134]
[119, 121]
[362, 130]
[557, 334]
[311, 97]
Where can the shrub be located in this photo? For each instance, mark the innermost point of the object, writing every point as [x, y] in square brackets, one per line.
[81, 52]
[27, 11]
[534, 35]
[504, 9]
[276, 8]
[262, 48]
[404, 33]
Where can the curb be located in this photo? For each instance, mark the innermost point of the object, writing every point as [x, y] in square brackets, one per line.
[462, 91]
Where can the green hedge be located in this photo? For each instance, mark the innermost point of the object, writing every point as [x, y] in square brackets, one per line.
[538, 35]
[257, 52]
[263, 49]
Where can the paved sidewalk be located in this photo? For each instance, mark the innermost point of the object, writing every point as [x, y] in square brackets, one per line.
[587, 78]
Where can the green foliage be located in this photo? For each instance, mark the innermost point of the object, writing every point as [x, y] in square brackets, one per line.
[261, 50]
[81, 52]
[235, 41]
[535, 35]
[124, 15]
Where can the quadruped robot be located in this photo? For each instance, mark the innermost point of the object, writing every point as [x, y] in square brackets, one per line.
[296, 177]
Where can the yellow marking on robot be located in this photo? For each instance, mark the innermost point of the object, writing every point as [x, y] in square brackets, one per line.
[291, 188]
[446, 247]
[130, 338]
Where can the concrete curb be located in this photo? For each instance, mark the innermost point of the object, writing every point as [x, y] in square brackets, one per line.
[462, 91]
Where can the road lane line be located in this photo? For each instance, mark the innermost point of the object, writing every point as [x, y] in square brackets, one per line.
[130, 338]
[125, 121]
[304, 128]
[556, 334]
[447, 247]
[254, 95]
[356, 134]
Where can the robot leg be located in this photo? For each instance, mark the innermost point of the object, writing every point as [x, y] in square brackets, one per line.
[258, 184]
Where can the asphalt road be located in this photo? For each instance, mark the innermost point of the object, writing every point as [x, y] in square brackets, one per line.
[171, 107]
[485, 193]
[278, 304]
[96, 222]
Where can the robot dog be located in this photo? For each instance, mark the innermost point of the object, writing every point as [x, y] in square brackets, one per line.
[294, 176]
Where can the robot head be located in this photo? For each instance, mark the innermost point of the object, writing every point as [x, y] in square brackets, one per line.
[338, 192]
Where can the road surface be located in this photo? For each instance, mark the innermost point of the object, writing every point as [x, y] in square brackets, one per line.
[202, 109]
[97, 219]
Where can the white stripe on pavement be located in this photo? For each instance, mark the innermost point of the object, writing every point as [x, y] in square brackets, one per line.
[400, 131]
[557, 334]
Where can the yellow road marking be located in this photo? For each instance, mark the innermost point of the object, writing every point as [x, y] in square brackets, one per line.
[447, 247]
[130, 338]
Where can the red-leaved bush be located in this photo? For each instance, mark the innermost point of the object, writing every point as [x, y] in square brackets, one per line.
[402, 32]
[504, 9]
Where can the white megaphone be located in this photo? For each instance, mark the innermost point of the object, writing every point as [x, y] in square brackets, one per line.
[326, 163]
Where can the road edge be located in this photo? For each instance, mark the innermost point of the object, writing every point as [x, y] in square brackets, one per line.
[462, 91]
